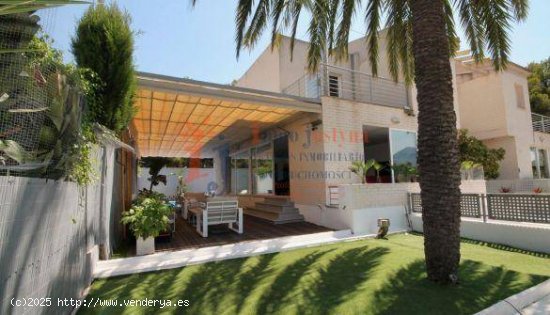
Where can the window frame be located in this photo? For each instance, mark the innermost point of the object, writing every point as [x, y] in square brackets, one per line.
[338, 84]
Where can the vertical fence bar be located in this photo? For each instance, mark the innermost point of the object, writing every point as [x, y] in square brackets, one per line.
[483, 205]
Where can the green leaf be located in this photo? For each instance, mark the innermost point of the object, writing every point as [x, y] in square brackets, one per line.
[14, 151]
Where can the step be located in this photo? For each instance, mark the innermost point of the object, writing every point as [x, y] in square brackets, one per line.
[273, 208]
[277, 219]
[261, 214]
[274, 217]
[278, 201]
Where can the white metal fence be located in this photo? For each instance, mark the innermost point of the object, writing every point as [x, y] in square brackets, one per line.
[533, 208]
[540, 123]
[350, 85]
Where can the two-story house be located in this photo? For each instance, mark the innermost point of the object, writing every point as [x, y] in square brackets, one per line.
[494, 107]
[288, 135]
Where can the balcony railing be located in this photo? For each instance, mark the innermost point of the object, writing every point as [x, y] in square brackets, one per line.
[350, 85]
[541, 123]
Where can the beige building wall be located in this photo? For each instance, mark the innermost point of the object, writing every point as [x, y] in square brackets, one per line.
[508, 166]
[292, 66]
[494, 107]
[482, 106]
[519, 118]
[264, 73]
[274, 70]
[306, 167]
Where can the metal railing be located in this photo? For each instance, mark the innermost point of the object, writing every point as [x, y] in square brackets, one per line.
[533, 208]
[350, 85]
[540, 123]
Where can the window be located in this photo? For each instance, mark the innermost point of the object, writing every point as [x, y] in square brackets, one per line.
[534, 163]
[403, 150]
[520, 98]
[312, 87]
[240, 169]
[539, 163]
[333, 86]
[543, 169]
[262, 169]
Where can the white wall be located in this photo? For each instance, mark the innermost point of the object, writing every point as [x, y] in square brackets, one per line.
[534, 237]
[362, 205]
[197, 179]
[322, 215]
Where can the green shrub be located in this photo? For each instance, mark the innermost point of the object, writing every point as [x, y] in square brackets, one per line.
[145, 193]
[104, 43]
[473, 150]
[147, 218]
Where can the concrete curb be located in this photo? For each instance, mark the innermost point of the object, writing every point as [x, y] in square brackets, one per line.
[516, 303]
[181, 258]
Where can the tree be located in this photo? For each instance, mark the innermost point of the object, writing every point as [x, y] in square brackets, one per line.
[472, 149]
[539, 87]
[421, 40]
[104, 43]
[155, 165]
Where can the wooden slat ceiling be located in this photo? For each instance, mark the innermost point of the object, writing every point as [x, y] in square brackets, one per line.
[180, 125]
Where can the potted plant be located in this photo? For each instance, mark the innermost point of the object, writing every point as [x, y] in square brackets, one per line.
[146, 219]
[361, 168]
[405, 172]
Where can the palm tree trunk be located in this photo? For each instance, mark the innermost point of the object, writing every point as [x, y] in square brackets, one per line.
[437, 141]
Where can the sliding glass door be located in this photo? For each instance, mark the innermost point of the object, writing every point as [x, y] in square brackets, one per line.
[403, 153]
[240, 169]
[262, 169]
[252, 170]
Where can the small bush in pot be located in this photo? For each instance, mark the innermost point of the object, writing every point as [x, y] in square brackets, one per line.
[146, 220]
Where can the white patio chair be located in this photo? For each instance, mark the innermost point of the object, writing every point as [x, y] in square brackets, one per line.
[219, 212]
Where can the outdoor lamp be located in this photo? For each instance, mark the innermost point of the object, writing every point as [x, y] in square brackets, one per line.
[383, 227]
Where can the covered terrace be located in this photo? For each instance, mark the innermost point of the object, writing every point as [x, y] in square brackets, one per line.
[241, 129]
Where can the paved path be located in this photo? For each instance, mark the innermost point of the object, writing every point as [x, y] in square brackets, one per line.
[176, 259]
[533, 301]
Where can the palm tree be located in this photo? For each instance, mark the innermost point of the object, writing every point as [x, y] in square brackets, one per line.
[421, 40]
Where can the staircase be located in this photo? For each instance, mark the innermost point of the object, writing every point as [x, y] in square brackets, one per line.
[276, 209]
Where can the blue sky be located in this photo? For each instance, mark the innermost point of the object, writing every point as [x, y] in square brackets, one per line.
[176, 39]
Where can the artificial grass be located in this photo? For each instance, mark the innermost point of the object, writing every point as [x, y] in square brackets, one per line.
[361, 277]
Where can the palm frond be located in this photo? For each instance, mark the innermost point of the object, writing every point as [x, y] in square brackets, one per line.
[317, 34]
[257, 24]
[487, 25]
[399, 37]
[277, 11]
[520, 9]
[244, 9]
[473, 27]
[373, 20]
[22, 6]
[454, 41]
[496, 19]
[342, 38]
[294, 11]
[334, 9]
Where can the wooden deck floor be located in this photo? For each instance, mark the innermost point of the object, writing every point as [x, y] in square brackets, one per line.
[186, 236]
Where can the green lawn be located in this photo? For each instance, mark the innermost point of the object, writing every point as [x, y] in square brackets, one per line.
[362, 277]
